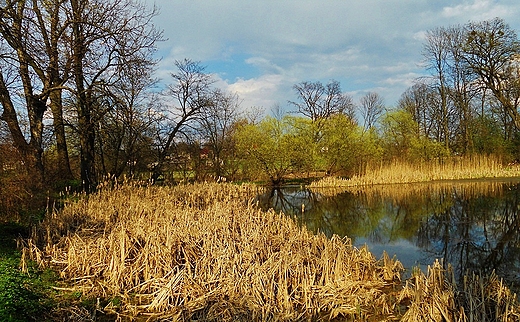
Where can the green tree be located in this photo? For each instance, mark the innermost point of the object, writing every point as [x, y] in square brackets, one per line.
[402, 140]
[270, 148]
[338, 147]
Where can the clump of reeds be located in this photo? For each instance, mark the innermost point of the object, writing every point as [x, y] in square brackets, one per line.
[204, 252]
[435, 296]
[454, 168]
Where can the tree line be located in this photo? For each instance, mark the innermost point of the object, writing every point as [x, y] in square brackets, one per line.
[80, 103]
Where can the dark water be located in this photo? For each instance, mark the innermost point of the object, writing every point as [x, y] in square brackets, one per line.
[474, 225]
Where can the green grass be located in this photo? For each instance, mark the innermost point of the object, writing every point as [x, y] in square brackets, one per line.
[23, 296]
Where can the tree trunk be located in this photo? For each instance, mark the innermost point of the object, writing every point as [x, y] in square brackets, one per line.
[59, 133]
[84, 102]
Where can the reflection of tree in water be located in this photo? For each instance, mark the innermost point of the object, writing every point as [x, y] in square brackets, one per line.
[475, 226]
[476, 233]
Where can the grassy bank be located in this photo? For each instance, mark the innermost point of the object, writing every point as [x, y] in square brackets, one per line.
[203, 252]
[454, 168]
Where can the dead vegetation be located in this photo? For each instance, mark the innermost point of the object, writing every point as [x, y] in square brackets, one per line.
[455, 168]
[205, 252]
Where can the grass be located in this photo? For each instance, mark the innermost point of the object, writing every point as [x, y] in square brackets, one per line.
[23, 296]
[204, 252]
[454, 168]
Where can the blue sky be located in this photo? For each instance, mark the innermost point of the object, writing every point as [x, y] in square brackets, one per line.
[260, 48]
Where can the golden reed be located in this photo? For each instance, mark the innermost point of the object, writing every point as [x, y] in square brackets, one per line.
[205, 252]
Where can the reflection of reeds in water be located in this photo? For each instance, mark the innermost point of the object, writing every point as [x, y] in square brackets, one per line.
[201, 252]
[411, 191]
[449, 169]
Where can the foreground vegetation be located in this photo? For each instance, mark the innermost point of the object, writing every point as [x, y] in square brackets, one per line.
[23, 297]
[205, 252]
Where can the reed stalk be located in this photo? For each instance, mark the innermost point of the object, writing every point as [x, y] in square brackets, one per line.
[205, 252]
[455, 168]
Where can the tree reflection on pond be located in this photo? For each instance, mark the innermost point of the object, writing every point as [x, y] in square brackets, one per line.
[474, 225]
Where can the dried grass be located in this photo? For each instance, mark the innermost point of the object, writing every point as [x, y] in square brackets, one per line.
[454, 168]
[203, 252]
[404, 191]
[436, 297]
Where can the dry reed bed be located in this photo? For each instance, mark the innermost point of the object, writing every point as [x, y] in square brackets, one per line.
[402, 172]
[436, 297]
[202, 252]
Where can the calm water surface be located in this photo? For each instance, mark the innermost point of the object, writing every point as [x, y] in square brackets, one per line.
[474, 225]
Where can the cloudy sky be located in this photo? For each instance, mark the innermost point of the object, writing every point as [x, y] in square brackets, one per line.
[261, 48]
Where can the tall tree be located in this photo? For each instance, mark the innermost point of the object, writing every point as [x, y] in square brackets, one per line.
[318, 101]
[437, 53]
[190, 93]
[80, 46]
[216, 127]
[107, 39]
[490, 51]
[24, 65]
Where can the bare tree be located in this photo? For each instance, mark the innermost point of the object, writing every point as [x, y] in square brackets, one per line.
[191, 95]
[490, 51]
[318, 101]
[79, 46]
[372, 106]
[124, 134]
[24, 69]
[107, 39]
[216, 126]
[437, 52]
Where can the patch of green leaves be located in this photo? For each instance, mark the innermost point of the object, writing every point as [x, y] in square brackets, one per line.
[23, 296]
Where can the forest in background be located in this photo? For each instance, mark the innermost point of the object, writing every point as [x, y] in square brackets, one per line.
[80, 104]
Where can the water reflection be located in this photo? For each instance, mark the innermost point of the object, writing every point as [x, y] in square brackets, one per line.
[474, 225]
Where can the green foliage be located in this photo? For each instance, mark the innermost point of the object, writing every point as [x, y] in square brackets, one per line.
[278, 147]
[18, 300]
[271, 148]
[345, 146]
[402, 140]
[23, 297]
[488, 137]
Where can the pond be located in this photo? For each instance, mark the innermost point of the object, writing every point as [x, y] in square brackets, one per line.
[473, 224]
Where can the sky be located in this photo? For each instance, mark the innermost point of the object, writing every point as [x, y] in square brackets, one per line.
[259, 49]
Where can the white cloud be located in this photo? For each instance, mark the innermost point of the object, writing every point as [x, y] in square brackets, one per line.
[366, 45]
[477, 10]
[263, 91]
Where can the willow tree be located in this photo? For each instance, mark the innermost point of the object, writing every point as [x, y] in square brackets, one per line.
[271, 148]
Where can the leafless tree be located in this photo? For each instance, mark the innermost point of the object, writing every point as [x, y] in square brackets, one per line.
[57, 51]
[372, 106]
[108, 39]
[190, 94]
[318, 101]
[490, 51]
[216, 127]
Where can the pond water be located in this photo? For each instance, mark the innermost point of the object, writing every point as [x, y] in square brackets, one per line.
[473, 224]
